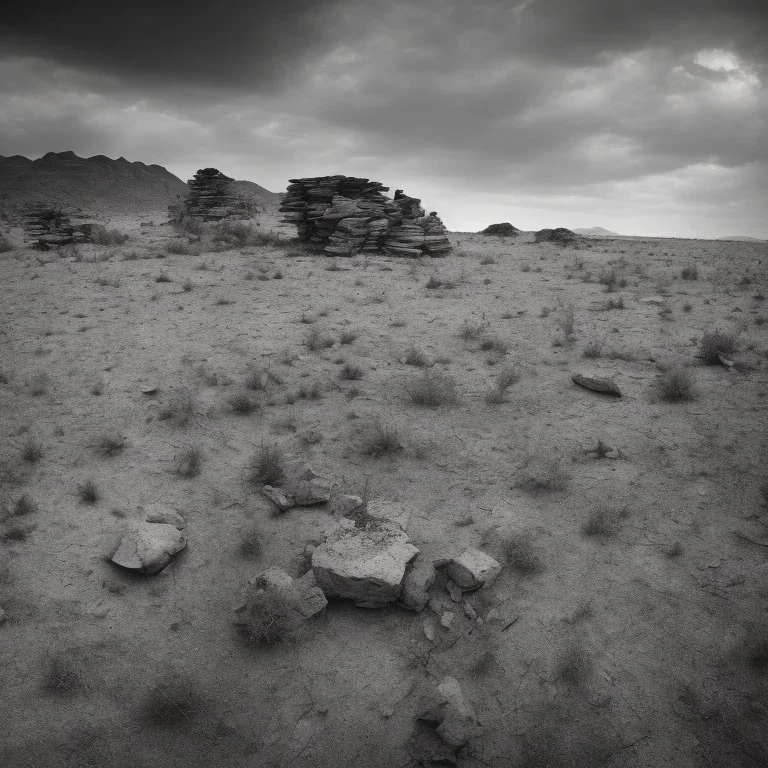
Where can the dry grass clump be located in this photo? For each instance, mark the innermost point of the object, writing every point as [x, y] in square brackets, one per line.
[172, 703]
[716, 343]
[543, 474]
[100, 235]
[163, 277]
[188, 462]
[435, 282]
[613, 304]
[189, 226]
[416, 357]
[39, 383]
[492, 343]
[242, 404]
[594, 349]
[690, 273]
[180, 410]
[676, 384]
[471, 330]
[604, 521]
[267, 616]
[32, 451]
[24, 506]
[351, 372]
[497, 394]
[572, 666]
[310, 391]
[249, 546]
[17, 532]
[432, 390]
[267, 466]
[315, 340]
[238, 234]
[179, 248]
[110, 445]
[520, 555]
[88, 492]
[6, 246]
[377, 439]
[567, 322]
[347, 337]
[64, 675]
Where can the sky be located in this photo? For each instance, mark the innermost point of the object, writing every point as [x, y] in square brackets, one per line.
[647, 117]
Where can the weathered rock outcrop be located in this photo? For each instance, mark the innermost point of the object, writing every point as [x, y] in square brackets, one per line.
[504, 229]
[349, 215]
[473, 569]
[211, 197]
[148, 547]
[559, 235]
[364, 560]
[48, 226]
[303, 487]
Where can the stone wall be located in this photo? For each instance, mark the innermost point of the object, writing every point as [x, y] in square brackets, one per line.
[211, 197]
[349, 215]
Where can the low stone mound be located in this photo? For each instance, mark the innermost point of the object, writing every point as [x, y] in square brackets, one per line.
[349, 215]
[558, 235]
[504, 229]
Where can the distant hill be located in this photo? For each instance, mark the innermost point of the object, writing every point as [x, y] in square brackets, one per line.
[743, 238]
[594, 231]
[98, 184]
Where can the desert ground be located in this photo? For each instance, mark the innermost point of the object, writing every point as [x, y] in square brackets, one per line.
[628, 626]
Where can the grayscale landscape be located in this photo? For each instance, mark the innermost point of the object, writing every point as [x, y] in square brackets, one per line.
[384, 388]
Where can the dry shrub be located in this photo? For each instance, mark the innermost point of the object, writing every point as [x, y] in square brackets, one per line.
[172, 703]
[604, 521]
[267, 616]
[378, 439]
[520, 555]
[432, 390]
[267, 466]
[103, 236]
[189, 462]
[676, 384]
[716, 343]
[180, 410]
[543, 474]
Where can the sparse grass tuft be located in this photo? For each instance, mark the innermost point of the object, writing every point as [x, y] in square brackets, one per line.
[471, 330]
[88, 492]
[492, 343]
[24, 506]
[690, 273]
[416, 357]
[594, 349]
[572, 666]
[716, 343]
[267, 466]
[172, 703]
[180, 410]
[266, 617]
[39, 383]
[110, 445]
[163, 277]
[100, 235]
[378, 439]
[604, 521]
[189, 462]
[178, 248]
[63, 676]
[497, 394]
[242, 404]
[543, 474]
[351, 372]
[315, 340]
[676, 384]
[187, 285]
[347, 337]
[520, 556]
[432, 390]
[32, 451]
[249, 546]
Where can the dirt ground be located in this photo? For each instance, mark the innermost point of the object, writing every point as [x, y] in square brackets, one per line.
[643, 644]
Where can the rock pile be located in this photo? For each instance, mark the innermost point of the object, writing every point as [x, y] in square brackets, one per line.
[559, 235]
[48, 226]
[504, 229]
[211, 197]
[348, 215]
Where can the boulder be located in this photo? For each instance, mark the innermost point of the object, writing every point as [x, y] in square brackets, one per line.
[147, 548]
[363, 560]
[473, 569]
[419, 577]
[601, 385]
[303, 595]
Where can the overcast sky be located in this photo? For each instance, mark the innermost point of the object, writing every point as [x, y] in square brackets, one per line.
[647, 117]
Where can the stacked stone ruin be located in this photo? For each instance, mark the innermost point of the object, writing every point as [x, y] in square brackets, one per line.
[349, 215]
[47, 226]
[210, 198]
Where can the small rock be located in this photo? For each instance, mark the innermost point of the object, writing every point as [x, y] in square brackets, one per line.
[278, 498]
[454, 592]
[473, 569]
[447, 619]
[162, 514]
[419, 577]
[149, 547]
[429, 630]
[470, 612]
[341, 504]
[656, 300]
[601, 385]
[613, 454]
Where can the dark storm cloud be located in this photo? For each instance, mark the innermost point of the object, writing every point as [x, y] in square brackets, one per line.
[229, 43]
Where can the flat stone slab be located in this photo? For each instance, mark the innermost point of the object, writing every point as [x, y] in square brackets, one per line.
[473, 569]
[655, 300]
[363, 560]
[604, 386]
[303, 487]
[162, 514]
[147, 548]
